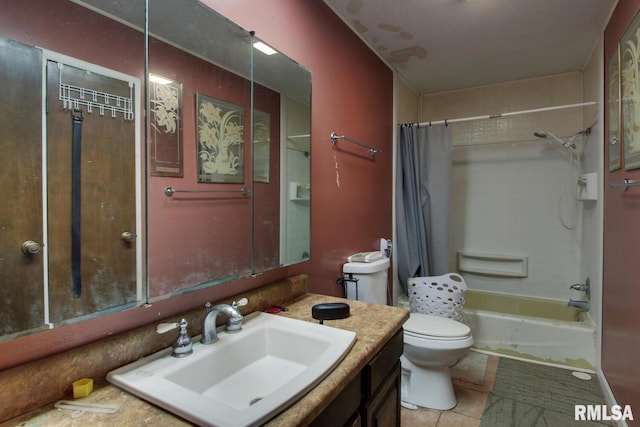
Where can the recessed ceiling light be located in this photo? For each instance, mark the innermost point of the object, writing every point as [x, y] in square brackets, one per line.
[264, 48]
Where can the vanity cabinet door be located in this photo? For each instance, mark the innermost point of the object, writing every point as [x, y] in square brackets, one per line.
[381, 385]
[373, 397]
[376, 372]
[343, 411]
[355, 421]
[21, 229]
[384, 409]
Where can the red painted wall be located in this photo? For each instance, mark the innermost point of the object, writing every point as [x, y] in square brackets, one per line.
[60, 26]
[193, 238]
[190, 239]
[621, 284]
[352, 95]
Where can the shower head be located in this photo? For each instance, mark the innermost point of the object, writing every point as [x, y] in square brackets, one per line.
[544, 134]
[541, 134]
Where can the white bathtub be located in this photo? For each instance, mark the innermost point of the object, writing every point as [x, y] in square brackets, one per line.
[549, 331]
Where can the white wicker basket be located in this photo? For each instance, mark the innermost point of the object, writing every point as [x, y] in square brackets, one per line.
[438, 295]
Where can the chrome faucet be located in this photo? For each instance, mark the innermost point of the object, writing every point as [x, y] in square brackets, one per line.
[583, 287]
[582, 305]
[183, 345]
[233, 324]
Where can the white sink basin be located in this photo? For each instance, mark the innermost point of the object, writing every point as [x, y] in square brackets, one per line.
[245, 378]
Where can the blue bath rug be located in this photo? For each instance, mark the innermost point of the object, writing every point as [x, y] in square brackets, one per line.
[531, 395]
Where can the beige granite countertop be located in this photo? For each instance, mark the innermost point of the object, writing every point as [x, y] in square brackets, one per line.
[373, 324]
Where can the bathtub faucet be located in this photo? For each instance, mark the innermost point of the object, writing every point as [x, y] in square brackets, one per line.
[582, 305]
[584, 287]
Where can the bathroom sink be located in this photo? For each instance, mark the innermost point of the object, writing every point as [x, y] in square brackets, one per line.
[246, 377]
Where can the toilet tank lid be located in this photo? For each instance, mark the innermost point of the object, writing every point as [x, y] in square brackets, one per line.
[366, 267]
[435, 326]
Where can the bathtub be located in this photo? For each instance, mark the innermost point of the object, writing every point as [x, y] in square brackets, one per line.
[531, 328]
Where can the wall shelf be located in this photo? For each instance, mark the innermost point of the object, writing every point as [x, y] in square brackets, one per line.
[492, 264]
[298, 191]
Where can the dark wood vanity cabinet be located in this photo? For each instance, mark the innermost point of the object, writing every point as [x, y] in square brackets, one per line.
[344, 410]
[381, 386]
[373, 397]
[384, 408]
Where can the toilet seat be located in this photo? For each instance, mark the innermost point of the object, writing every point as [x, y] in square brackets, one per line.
[429, 326]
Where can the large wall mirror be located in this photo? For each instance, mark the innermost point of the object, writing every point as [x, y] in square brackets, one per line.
[106, 211]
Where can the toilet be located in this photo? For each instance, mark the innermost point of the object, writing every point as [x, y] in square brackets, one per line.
[431, 343]
[366, 281]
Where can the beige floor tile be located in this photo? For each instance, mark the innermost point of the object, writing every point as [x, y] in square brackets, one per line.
[452, 419]
[470, 402]
[420, 417]
[476, 371]
[471, 368]
[492, 369]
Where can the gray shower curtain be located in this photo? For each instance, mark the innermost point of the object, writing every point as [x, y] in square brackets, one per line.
[423, 189]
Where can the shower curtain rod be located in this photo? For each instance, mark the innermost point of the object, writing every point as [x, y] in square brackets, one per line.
[446, 122]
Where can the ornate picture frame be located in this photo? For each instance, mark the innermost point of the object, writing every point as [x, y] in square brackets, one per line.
[630, 94]
[614, 139]
[165, 127]
[220, 149]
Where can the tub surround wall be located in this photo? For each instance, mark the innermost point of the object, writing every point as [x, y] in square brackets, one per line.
[505, 195]
[593, 161]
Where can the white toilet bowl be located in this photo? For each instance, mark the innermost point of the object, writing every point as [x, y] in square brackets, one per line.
[431, 345]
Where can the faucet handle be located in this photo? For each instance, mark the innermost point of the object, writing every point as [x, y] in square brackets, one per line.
[240, 303]
[183, 346]
[162, 328]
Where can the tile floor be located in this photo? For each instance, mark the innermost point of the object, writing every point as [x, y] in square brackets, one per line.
[473, 379]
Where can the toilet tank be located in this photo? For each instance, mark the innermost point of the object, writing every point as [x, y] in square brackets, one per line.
[372, 282]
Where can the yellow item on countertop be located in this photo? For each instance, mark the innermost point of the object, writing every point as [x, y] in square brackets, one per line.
[82, 388]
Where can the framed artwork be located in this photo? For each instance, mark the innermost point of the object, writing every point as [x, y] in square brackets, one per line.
[220, 127]
[630, 94]
[261, 146]
[613, 100]
[165, 98]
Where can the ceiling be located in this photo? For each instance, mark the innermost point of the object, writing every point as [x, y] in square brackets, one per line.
[440, 45]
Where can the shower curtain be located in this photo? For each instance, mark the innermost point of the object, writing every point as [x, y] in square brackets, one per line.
[423, 188]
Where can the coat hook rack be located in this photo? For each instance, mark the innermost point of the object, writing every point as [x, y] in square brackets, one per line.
[73, 97]
[372, 150]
